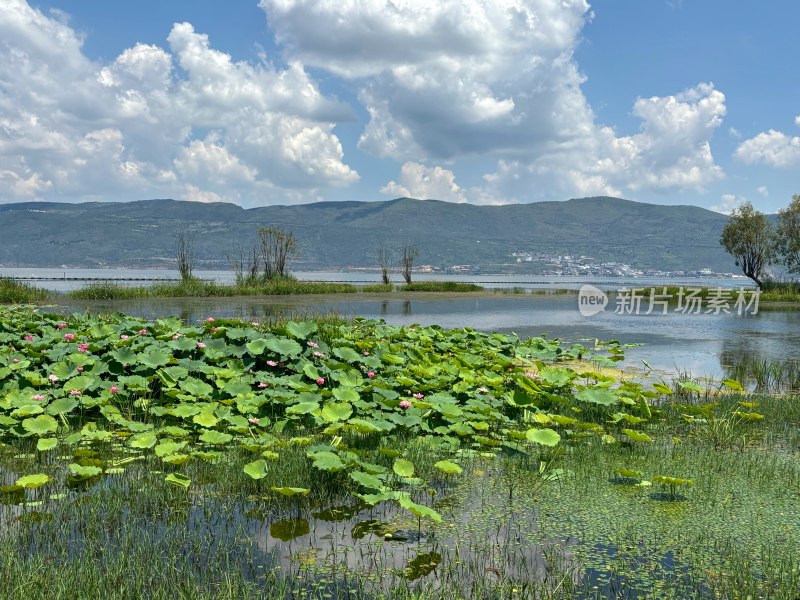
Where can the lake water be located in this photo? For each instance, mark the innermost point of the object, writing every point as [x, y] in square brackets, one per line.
[702, 344]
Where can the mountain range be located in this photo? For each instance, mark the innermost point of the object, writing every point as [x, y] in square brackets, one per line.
[333, 235]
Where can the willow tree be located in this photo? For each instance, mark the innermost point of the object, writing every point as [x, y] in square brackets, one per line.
[787, 235]
[277, 248]
[749, 238]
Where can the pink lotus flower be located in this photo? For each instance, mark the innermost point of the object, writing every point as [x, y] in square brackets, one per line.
[214, 329]
[113, 389]
[483, 390]
[318, 353]
[320, 380]
[15, 361]
[142, 332]
[61, 325]
[262, 384]
[52, 378]
[83, 347]
[38, 397]
[201, 345]
[365, 353]
[313, 344]
[28, 338]
[404, 404]
[123, 337]
[210, 320]
[69, 336]
[79, 369]
[272, 363]
[74, 392]
[176, 336]
[370, 374]
[418, 396]
[254, 420]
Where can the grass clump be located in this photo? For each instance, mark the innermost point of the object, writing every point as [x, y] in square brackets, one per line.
[19, 292]
[377, 288]
[197, 288]
[440, 286]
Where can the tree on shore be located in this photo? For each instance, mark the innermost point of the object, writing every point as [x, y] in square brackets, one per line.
[277, 248]
[409, 255]
[246, 264]
[185, 256]
[384, 262]
[787, 235]
[748, 236]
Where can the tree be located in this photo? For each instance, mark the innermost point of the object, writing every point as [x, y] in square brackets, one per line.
[384, 262]
[407, 259]
[749, 238]
[277, 247]
[246, 264]
[787, 235]
[185, 255]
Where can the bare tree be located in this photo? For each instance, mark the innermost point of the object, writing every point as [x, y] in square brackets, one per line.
[277, 248]
[185, 255]
[246, 264]
[384, 262]
[407, 259]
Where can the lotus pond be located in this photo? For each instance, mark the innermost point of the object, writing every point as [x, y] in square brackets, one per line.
[354, 459]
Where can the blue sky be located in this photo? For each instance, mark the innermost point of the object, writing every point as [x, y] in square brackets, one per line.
[488, 102]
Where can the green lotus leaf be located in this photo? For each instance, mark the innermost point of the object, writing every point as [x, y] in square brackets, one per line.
[418, 509]
[84, 472]
[348, 355]
[40, 425]
[366, 480]
[179, 480]
[336, 412]
[346, 394]
[215, 437]
[403, 467]
[32, 481]
[545, 437]
[27, 410]
[445, 466]
[206, 418]
[302, 408]
[284, 346]
[301, 330]
[256, 469]
[327, 461]
[637, 436]
[45, 444]
[154, 358]
[168, 447]
[602, 396]
[62, 405]
[143, 440]
[290, 491]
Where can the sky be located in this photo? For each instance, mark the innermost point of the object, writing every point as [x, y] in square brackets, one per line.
[480, 101]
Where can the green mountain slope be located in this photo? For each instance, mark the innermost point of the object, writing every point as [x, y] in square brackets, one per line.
[341, 234]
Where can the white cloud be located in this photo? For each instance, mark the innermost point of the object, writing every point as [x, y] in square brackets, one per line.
[763, 191]
[672, 151]
[497, 78]
[157, 121]
[419, 181]
[772, 148]
[727, 203]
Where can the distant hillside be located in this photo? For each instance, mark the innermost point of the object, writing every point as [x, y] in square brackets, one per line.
[342, 234]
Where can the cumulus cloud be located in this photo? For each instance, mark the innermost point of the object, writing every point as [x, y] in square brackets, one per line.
[461, 78]
[773, 148]
[727, 203]
[763, 191]
[184, 120]
[419, 181]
